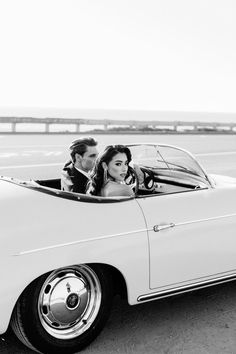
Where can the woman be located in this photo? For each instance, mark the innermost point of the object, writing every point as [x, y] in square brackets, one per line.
[109, 173]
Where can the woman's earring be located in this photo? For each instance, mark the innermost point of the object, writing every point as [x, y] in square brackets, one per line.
[105, 176]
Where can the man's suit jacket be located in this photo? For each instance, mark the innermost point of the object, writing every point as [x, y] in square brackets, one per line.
[73, 180]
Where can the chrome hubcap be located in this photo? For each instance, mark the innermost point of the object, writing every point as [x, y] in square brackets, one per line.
[69, 301]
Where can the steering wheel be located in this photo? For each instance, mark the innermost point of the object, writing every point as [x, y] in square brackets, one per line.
[148, 179]
[132, 179]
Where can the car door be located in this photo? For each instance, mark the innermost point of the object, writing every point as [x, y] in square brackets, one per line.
[192, 236]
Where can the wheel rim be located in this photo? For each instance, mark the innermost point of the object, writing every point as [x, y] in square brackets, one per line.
[69, 301]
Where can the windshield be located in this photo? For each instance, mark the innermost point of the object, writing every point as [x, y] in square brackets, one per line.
[166, 157]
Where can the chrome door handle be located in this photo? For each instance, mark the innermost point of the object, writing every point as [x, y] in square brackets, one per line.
[158, 228]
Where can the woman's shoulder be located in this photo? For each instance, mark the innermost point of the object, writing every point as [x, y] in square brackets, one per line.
[114, 189]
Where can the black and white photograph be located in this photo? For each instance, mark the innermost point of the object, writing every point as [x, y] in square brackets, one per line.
[118, 177]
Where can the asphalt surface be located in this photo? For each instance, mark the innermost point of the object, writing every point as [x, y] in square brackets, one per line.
[195, 323]
[203, 322]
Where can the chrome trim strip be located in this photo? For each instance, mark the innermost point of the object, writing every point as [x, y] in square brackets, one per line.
[203, 220]
[21, 253]
[161, 227]
[185, 289]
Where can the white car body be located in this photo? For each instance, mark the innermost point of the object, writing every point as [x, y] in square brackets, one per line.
[162, 244]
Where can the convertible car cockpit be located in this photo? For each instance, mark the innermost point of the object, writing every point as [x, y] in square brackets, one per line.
[157, 169]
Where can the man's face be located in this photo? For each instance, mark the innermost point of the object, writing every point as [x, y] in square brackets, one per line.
[87, 161]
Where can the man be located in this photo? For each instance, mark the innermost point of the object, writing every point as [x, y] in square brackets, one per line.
[75, 174]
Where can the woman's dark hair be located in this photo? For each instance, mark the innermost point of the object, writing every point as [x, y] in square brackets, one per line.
[95, 185]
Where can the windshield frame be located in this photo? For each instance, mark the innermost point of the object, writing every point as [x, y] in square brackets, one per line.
[184, 169]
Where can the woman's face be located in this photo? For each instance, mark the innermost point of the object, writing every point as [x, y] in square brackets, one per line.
[117, 168]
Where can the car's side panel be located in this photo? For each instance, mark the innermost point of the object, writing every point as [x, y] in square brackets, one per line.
[192, 236]
[40, 233]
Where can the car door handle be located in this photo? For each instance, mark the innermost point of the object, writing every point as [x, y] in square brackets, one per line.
[158, 228]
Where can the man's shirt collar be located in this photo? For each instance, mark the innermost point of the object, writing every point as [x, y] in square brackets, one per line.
[86, 174]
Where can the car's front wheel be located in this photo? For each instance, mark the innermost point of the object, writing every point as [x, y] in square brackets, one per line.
[63, 311]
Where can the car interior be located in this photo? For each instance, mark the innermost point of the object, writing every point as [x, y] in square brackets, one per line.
[156, 170]
[152, 183]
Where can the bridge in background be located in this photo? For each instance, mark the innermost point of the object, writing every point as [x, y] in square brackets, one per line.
[111, 124]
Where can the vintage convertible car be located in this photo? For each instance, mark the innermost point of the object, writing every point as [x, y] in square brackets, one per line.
[65, 255]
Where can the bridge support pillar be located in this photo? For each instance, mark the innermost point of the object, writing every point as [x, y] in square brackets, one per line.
[77, 128]
[175, 127]
[105, 126]
[133, 126]
[13, 127]
[214, 126]
[47, 127]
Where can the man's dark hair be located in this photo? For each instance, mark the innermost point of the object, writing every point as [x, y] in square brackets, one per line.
[79, 146]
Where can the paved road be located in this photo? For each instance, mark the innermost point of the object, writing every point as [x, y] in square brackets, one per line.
[203, 322]
[38, 157]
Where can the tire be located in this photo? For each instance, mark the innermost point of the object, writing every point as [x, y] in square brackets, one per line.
[63, 311]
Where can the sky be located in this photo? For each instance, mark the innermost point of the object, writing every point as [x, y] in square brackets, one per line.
[69, 56]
